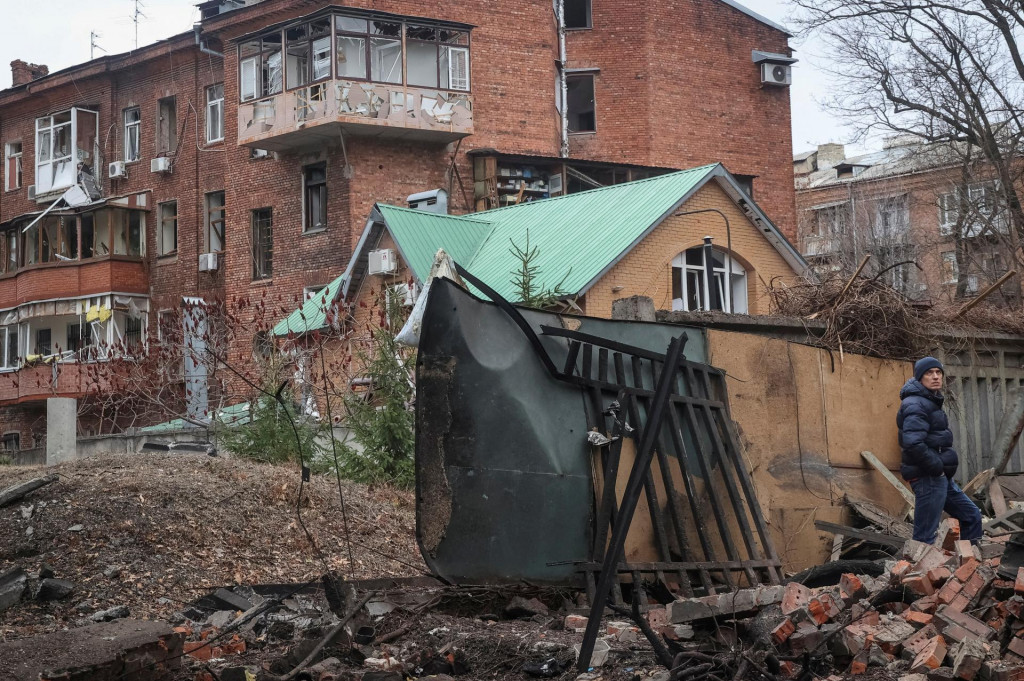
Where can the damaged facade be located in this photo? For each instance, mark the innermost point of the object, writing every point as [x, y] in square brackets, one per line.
[243, 158]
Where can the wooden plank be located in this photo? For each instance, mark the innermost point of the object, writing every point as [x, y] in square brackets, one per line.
[19, 491]
[847, 531]
[979, 481]
[995, 497]
[907, 495]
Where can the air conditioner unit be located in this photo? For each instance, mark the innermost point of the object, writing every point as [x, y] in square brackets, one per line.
[776, 74]
[383, 262]
[161, 164]
[117, 169]
[403, 293]
[31, 192]
[207, 262]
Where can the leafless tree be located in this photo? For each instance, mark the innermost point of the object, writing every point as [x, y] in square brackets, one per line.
[952, 75]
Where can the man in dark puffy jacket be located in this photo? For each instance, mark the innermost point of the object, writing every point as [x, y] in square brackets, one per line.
[929, 460]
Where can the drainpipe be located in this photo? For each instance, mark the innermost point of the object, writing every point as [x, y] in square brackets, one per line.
[199, 41]
[563, 86]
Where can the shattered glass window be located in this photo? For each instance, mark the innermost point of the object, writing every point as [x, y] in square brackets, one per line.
[580, 107]
[132, 125]
[385, 60]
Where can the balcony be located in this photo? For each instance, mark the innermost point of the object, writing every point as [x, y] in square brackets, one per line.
[63, 379]
[358, 72]
[316, 115]
[73, 279]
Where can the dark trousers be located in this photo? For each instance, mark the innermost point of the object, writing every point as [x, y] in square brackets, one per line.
[933, 495]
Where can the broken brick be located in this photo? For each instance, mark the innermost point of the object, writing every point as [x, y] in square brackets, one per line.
[918, 618]
[859, 665]
[199, 650]
[851, 588]
[898, 570]
[967, 657]
[949, 618]
[913, 645]
[949, 533]
[966, 569]
[931, 656]
[796, 596]
[950, 590]
[577, 623]
[805, 639]
[965, 551]
[890, 637]
[938, 576]
[917, 583]
[781, 633]
[926, 604]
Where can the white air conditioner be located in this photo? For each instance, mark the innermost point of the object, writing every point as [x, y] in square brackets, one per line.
[403, 293]
[207, 262]
[383, 262]
[776, 74]
[161, 164]
[31, 192]
[117, 169]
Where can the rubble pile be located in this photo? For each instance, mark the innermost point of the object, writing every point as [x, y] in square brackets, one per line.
[939, 612]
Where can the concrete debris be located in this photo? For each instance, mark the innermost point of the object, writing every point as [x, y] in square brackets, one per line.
[54, 589]
[117, 612]
[12, 587]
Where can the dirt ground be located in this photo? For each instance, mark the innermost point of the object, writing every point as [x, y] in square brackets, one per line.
[168, 528]
[156, 532]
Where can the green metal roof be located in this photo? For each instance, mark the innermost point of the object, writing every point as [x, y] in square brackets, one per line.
[419, 234]
[234, 414]
[313, 313]
[578, 237]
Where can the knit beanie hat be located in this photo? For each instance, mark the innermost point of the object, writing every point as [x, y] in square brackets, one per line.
[922, 366]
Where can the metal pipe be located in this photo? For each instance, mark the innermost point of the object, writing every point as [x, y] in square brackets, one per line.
[203, 48]
[563, 85]
[728, 245]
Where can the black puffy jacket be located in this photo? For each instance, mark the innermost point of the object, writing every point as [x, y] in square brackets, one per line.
[925, 437]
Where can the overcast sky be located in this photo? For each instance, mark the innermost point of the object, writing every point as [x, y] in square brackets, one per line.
[63, 40]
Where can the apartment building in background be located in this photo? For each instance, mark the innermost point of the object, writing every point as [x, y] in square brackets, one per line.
[244, 156]
[932, 219]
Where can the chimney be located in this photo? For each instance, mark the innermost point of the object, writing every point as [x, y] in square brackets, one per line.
[23, 72]
[830, 155]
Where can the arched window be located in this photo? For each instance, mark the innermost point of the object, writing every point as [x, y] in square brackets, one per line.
[700, 285]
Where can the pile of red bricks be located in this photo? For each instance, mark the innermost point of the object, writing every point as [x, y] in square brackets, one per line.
[956, 620]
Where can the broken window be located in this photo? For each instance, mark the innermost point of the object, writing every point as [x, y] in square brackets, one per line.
[260, 73]
[167, 236]
[262, 243]
[385, 52]
[166, 126]
[132, 334]
[577, 14]
[830, 221]
[9, 251]
[701, 285]
[350, 48]
[12, 165]
[950, 268]
[215, 113]
[9, 347]
[132, 122]
[580, 106]
[54, 238]
[43, 343]
[214, 222]
[11, 442]
[78, 337]
[55, 167]
[167, 328]
[314, 198]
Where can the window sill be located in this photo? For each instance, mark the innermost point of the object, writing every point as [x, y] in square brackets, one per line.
[314, 232]
[261, 282]
[579, 28]
[583, 132]
[167, 258]
[128, 163]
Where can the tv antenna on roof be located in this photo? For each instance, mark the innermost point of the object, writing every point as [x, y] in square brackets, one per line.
[92, 44]
[135, 19]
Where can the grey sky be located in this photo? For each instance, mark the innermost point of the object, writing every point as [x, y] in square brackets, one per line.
[66, 42]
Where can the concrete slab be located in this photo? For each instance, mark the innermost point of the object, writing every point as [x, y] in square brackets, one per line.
[124, 649]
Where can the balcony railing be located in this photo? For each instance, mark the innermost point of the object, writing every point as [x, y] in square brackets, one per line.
[820, 245]
[71, 279]
[40, 381]
[310, 115]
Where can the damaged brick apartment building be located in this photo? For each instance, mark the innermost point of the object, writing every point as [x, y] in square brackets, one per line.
[244, 156]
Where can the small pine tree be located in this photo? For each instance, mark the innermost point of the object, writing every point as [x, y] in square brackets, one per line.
[524, 279]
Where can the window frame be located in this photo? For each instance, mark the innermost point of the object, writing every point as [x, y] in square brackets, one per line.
[19, 168]
[214, 105]
[8, 332]
[8, 437]
[953, 275]
[590, 18]
[262, 244]
[580, 75]
[447, 38]
[210, 221]
[166, 146]
[161, 227]
[739, 276]
[308, 187]
[130, 128]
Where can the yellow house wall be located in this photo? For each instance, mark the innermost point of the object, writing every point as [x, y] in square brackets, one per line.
[647, 269]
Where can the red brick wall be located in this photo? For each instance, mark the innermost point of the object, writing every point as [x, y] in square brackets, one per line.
[676, 88]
